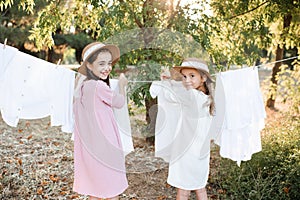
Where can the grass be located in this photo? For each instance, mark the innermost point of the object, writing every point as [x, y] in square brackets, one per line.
[273, 173]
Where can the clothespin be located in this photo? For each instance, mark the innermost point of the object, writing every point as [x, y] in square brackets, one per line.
[58, 62]
[5, 41]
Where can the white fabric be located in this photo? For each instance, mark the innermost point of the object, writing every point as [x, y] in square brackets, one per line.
[167, 117]
[218, 120]
[7, 53]
[62, 98]
[123, 121]
[188, 161]
[121, 115]
[34, 88]
[240, 114]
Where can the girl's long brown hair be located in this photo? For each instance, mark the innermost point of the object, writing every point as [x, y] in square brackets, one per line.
[209, 87]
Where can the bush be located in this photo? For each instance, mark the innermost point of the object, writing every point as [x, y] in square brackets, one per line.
[288, 88]
[273, 173]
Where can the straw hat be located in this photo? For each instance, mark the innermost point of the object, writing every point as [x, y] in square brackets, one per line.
[194, 63]
[91, 48]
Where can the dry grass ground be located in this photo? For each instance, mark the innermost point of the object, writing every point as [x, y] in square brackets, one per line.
[36, 162]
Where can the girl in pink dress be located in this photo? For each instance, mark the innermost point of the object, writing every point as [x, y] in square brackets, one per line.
[99, 161]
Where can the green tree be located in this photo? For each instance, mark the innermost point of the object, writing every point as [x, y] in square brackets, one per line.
[158, 33]
[240, 30]
[236, 33]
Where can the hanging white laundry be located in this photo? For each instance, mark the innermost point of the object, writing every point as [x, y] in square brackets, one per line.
[62, 98]
[121, 115]
[34, 88]
[7, 53]
[167, 118]
[239, 115]
[123, 121]
[218, 120]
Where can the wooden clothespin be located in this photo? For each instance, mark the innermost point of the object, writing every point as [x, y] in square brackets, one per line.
[5, 41]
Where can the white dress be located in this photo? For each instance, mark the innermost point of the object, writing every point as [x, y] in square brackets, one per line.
[239, 115]
[189, 159]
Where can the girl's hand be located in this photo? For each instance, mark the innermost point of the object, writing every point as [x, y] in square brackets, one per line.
[165, 75]
[122, 80]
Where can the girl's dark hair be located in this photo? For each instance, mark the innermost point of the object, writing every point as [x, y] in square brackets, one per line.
[91, 59]
[209, 87]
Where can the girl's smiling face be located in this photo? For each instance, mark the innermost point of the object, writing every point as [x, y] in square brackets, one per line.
[192, 78]
[102, 66]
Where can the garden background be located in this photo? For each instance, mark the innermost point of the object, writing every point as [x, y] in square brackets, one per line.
[36, 158]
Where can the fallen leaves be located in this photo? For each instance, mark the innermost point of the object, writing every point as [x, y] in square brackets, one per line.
[36, 162]
[33, 159]
[29, 137]
[53, 177]
[19, 161]
[39, 191]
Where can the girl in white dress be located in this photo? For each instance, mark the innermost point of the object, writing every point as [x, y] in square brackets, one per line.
[190, 151]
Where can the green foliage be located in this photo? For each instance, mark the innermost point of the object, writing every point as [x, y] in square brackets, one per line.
[27, 5]
[5, 4]
[16, 20]
[273, 173]
[76, 41]
[240, 29]
[147, 70]
[13, 35]
[288, 87]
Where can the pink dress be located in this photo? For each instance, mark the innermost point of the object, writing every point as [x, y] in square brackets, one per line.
[99, 162]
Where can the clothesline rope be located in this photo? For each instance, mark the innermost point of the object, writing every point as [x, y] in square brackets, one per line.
[277, 61]
[150, 81]
[140, 81]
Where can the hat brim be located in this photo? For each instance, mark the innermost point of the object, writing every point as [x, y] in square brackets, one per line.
[179, 68]
[115, 52]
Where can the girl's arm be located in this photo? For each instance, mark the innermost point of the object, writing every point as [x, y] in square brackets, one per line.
[119, 97]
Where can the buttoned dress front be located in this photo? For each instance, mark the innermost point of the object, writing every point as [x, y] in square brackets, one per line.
[99, 162]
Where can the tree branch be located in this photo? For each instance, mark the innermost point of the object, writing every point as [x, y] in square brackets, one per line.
[137, 21]
[248, 11]
[173, 15]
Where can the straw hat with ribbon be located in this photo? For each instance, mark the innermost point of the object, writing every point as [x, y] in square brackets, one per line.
[91, 48]
[194, 63]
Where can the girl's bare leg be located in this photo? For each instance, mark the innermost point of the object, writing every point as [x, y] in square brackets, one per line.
[201, 194]
[183, 194]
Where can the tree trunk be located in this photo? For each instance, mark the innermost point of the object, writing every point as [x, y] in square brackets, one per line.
[56, 53]
[151, 114]
[275, 70]
[279, 56]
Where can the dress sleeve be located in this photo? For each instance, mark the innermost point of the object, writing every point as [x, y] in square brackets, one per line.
[118, 100]
[108, 96]
[104, 93]
[155, 88]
